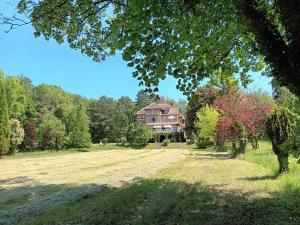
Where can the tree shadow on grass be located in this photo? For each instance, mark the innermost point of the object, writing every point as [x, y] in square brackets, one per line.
[213, 156]
[18, 203]
[259, 178]
[15, 180]
[162, 202]
[128, 146]
[135, 146]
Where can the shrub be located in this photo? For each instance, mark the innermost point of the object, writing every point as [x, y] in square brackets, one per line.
[280, 130]
[139, 134]
[166, 142]
[192, 138]
[17, 134]
[12, 151]
[123, 140]
[174, 136]
[118, 141]
[206, 123]
[204, 142]
[51, 132]
[105, 141]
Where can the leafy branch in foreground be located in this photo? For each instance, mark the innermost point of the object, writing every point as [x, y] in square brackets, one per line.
[188, 39]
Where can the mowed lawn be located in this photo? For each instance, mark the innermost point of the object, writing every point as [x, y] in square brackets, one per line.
[31, 185]
[149, 187]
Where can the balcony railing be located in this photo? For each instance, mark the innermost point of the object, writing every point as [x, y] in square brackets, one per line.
[173, 129]
[153, 114]
[168, 120]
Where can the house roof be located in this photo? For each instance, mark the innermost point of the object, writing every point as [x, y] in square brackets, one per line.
[157, 106]
[142, 111]
[172, 109]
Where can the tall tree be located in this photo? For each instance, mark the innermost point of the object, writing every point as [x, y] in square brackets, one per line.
[26, 92]
[143, 99]
[52, 98]
[30, 138]
[124, 116]
[238, 108]
[182, 104]
[79, 136]
[4, 120]
[15, 97]
[51, 132]
[101, 115]
[203, 96]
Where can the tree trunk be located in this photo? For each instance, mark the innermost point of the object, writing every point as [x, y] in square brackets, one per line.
[243, 145]
[234, 150]
[254, 142]
[234, 146]
[283, 161]
[282, 157]
[257, 144]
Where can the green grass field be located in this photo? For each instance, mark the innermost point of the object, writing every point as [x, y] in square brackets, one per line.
[165, 186]
[97, 147]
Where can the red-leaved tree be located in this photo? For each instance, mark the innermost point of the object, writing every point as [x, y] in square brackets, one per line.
[249, 109]
[30, 138]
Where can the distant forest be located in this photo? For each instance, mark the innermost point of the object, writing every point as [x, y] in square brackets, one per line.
[47, 117]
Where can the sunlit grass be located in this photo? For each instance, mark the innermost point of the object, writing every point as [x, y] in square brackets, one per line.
[97, 147]
[205, 187]
[30, 185]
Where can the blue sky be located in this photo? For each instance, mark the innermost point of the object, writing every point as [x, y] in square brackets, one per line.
[48, 62]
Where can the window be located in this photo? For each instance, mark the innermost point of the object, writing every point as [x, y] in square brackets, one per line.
[164, 111]
[153, 120]
[171, 119]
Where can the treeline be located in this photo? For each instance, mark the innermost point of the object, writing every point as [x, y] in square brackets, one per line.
[46, 117]
[41, 117]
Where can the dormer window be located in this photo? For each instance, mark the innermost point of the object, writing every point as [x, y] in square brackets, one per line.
[165, 111]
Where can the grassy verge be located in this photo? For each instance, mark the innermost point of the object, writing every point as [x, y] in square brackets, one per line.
[204, 188]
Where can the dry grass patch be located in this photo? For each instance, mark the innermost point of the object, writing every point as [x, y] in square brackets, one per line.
[202, 188]
[31, 185]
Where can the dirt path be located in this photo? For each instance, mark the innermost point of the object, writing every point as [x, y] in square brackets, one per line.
[29, 186]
